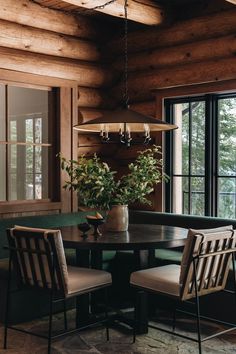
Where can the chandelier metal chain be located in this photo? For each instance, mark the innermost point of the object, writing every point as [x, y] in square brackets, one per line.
[126, 89]
[103, 6]
[122, 120]
[75, 12]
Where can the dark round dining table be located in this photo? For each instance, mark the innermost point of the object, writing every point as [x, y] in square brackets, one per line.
[138, 237]
[142, 239]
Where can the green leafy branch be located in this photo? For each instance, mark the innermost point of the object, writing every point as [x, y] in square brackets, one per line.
[96, 185]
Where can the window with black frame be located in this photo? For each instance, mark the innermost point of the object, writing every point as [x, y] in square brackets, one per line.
[201, 156]
[24, 142]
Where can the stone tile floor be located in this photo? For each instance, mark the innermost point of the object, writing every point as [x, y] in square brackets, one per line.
[93, 341]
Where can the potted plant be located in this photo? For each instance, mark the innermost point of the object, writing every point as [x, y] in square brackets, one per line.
[98, 188]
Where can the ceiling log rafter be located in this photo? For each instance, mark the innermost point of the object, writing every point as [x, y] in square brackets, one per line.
[142, 11]
[232, 1]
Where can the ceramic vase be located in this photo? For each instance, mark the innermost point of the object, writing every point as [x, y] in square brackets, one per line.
[118, 218]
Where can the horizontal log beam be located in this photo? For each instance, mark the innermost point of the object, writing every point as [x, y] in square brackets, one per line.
[88, 75]
[86, 114]
[221, 47]
[142, 11]
[94, 98]
[199, 28]
[102, 150]
[26, 78]
[25, 12]
[199, 89]
[141, 83]
[13, 35]
[146, 107]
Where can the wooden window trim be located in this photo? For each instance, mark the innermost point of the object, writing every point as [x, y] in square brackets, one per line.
[62, 201]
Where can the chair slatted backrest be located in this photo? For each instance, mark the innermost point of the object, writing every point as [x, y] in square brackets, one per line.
[38, 257]
[210, 251]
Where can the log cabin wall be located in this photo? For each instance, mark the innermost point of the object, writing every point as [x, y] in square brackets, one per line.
[189, 52]
[43, 46]
[66, 51]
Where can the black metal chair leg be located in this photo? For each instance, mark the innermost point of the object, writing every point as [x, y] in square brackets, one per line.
[106, 315]
[51, 305]
[174, 319]
[197, 308]
[198, 325]
[65, 315]
[50, 323]
[135, 316]
[7, 302]
[234, 272]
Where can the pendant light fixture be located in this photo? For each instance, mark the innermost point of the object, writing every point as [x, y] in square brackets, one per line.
[124, 121]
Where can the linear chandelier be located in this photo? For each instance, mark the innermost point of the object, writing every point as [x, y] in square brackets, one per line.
[124, 120]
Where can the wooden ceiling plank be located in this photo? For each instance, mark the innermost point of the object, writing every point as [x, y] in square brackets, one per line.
[142, 11]
[232, 1]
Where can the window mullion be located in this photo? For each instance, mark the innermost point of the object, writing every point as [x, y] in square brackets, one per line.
[208, 157]
[6, 139]
[190, 160]
[34, 161]
[169, 158]
[215, 150]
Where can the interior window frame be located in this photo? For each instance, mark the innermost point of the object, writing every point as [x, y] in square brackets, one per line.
[211, 149]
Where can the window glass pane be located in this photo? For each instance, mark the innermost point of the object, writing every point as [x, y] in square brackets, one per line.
[38, 159]
[38, 130]
[28, 123]
[227, 136]
[181, 138]
[38, 187]
[227, 198]
[3, 172]
[29, 130]
[28, 172]
[180, 195]
[13, 131]
[198, 138]
[27, 104]
[197, 196]
[12, 179]
[2, 113]
[16, 171]
[29, 159]
[29, 186]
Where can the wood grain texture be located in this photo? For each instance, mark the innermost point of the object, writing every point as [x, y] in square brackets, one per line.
[146, 107]
[232, 1]
[13, 35]
[84, 74]
[18, 207]
[142, 11]
[188, 31]
[86, 114]
[26, 12]
[215, 48]
[141, 83]
[27, 79]
[65, 144]
[94, 98]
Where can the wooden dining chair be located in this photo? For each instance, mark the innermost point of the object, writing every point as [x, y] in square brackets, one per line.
[204, 270]
[37, 257]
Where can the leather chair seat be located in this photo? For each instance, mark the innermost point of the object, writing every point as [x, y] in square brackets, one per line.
[84, 279]
[159, 279]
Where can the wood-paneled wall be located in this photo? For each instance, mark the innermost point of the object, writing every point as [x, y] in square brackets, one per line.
[52, 48]
[191, 52]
